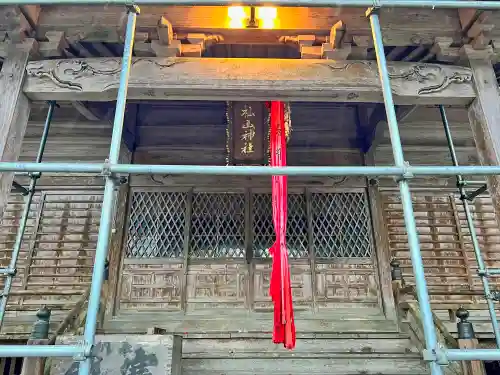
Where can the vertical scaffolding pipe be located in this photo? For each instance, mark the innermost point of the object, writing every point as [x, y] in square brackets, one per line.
[470, 224]
[11, 270]
[411, 228]
[108, 197]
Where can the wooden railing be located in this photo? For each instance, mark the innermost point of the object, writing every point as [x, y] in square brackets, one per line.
[409, 312]
[74, 322]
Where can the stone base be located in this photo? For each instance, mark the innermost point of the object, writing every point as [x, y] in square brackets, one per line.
[126, 354]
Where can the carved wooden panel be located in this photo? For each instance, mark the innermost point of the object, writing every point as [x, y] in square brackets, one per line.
[227, 79]
[151, 286]
[302, 292]
[218, 280]
[341, 284]
[449, 261]
[217, 286]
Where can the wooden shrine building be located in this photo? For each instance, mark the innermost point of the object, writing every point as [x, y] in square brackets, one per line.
[189, 254]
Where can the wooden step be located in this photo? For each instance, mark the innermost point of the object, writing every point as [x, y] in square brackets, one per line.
[245, 326]
[396, 345]
[355, 365]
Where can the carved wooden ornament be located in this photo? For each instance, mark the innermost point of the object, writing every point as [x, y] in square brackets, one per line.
[248, 80]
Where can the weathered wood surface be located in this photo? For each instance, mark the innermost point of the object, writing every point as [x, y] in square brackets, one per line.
[383, 252]
[229, 324]
[445, 243]
[211, 282]
[14, 113]
[484, 116]
[34, 365]
[228, 79]
[400, 26]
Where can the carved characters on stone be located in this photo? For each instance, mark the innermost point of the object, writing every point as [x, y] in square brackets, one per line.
[435, 77]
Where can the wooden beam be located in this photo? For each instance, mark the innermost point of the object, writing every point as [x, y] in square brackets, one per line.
[247, 79]
[14, 113]
[85, 111]
[484, 116]
[378, 122]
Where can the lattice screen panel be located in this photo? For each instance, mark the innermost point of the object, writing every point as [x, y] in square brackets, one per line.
[341, 225]
[445, 242]
[218, 226]
[156, 225]
[57, 253]
[263, 228]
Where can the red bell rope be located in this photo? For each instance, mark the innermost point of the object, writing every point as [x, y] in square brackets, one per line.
[280, 288]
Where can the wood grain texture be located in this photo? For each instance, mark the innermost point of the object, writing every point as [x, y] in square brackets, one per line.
[484, 116]
[227, 79]
[449, 261]
[14, 113]
[400, 26]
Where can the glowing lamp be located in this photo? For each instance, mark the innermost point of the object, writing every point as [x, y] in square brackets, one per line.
[267, 17]
[237, 17]
[252, 17]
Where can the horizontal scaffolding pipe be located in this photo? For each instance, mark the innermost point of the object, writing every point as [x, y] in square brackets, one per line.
[7, 351]
[387, 171]
[472, 354]
[290, 3]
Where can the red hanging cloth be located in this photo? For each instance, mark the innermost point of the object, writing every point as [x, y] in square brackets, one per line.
[280, 288]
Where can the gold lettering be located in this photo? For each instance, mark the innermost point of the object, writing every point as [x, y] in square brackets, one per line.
[248, 135]
[248, 125]
[247, 148]
[247, 111]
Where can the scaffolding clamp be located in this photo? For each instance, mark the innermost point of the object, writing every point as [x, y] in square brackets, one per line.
[106, 169]
[494, 296]
[133, 8]
[374, 8]
[35, 175]
[435, 355]
[8, 271]
[407, 173]
[87, 351]
[470, 197]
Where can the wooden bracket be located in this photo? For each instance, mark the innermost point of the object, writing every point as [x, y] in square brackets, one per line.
[475, 27]
[166, 45]
[55, 46]
[444, 51]
[336, 48]
[198, 43]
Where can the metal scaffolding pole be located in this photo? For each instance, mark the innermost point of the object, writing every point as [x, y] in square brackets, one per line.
[289, 3]
[431, 344]
[11, 270]
[108, 197]
[110, 168]
[215, 170]
[470, 224]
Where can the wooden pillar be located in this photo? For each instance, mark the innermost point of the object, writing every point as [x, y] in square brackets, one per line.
[116, 245]
[14, 110]
[484, 117]
[382, 249]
